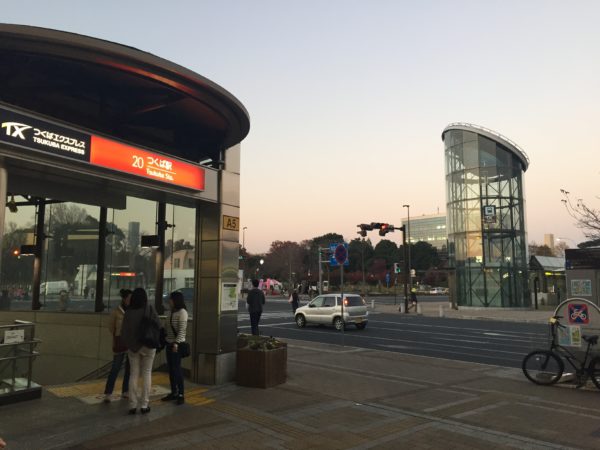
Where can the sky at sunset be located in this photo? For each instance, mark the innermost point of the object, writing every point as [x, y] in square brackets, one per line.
[348, 99]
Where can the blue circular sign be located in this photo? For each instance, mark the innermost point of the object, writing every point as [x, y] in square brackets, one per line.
[341, 254]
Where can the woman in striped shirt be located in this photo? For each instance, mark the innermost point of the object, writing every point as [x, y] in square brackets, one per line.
[176, 327]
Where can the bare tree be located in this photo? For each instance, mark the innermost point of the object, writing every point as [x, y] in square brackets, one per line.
[64, 214]
[587, 218]
[559, 249]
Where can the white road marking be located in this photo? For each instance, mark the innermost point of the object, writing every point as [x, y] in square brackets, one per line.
[359, 335]
[426, 325]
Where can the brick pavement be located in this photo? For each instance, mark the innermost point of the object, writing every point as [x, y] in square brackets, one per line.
[335, 398]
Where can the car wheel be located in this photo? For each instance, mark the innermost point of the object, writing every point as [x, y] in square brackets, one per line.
[361, 326]
[300, 321]
[338, 323]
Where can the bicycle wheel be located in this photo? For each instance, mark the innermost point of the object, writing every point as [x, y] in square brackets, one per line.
[543, 367]
[594, 369]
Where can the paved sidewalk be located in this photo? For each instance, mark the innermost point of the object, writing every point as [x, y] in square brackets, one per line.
[437, 309]
[335, 398]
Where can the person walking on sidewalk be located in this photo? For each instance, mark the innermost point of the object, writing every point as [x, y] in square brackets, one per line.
[176, 328]
[118, 347]
[413, 299]
[255, 300]
[294, 300]
[140, 357]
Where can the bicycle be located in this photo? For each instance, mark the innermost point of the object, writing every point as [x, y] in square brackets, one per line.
[546, 367]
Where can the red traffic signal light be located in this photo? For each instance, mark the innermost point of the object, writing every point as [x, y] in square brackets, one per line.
[383, 229]
[16, 252]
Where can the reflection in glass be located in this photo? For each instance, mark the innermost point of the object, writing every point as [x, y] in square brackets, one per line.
[17, 270]
[180, 253]
[128, 265]
[70, 261]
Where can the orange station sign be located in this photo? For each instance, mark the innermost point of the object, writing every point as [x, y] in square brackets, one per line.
[25, 130]
[126, 158]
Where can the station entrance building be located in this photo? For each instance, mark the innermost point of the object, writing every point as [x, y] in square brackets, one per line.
[487, 237]
[118, 169]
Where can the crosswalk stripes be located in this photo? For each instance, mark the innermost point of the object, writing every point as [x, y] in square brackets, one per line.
[268, 315]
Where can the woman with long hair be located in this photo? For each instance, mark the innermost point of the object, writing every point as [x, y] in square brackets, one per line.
[140, 357]
[176, 328]
[119, 348]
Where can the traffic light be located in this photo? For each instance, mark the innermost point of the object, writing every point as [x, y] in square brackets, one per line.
[16, 252]
[383, 229]
[397, 268]
[364, 228]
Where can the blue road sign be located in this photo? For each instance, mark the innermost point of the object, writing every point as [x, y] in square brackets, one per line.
[338, 252]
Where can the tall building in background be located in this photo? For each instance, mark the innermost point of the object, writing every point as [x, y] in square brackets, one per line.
[487, 239]
[428, 228]
[549, 241]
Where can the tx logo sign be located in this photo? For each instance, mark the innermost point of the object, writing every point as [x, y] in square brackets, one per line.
[15, 129]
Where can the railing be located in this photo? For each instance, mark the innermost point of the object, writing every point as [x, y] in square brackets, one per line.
[17, 343]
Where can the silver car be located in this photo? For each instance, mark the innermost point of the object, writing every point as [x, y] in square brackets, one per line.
[327, 310]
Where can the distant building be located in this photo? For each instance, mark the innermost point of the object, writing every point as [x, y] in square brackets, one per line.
[549, 241]
[428, 228]
[179, 270]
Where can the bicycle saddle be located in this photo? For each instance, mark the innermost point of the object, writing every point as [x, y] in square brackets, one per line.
[590, 339]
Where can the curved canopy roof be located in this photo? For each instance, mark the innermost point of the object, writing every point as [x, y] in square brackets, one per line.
[491, 134]
[118, 91]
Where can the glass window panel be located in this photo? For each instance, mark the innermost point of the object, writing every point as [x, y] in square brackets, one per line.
[70, 263]
[180, 251]
[487, 152]
[503, 157]
[128, 265]
[17, 270]
[470, 154]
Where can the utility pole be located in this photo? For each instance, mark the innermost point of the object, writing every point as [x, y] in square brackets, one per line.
[326, 251]
[408, 231]
[406, 269]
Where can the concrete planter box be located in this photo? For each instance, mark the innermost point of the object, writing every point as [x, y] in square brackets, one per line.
[261, 368]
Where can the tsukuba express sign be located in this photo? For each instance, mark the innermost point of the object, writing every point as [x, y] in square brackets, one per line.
[32, 133]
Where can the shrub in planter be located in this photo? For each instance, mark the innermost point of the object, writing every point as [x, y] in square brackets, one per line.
[260, 361]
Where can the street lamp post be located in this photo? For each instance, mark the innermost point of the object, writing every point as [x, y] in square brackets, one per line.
[244, 238]
[409, 274]
[362, 256]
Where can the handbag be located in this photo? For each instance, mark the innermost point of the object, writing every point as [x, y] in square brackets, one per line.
[183, 348]
[149, 330]
[118, 346]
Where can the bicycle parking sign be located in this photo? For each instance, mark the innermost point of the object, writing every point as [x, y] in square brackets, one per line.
[578, 313]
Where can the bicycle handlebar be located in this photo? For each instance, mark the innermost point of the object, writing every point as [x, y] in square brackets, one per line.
[554, 321]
